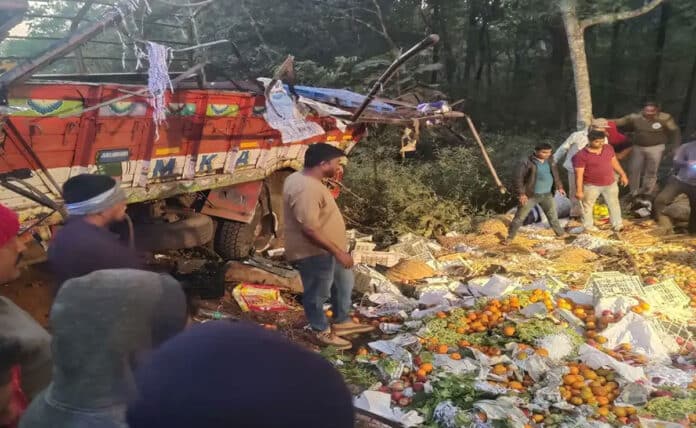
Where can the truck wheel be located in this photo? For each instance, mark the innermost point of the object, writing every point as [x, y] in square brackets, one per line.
[192, 230]
[235, 240]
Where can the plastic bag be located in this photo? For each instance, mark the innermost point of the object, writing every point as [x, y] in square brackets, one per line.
[259, 298]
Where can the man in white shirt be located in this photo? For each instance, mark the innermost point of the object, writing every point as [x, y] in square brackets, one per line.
[573, 144]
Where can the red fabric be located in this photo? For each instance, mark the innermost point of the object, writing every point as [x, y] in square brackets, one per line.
[598, 169]
[614, 136]
[18, 401]
[9, 225]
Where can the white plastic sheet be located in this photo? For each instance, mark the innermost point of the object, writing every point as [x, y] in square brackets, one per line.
[640, 333]
[379, 403]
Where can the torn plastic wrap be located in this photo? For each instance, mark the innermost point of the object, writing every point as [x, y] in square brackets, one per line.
[391, 346]
[447, 415]
[368, 280]
[640, 333]
[387, 304]
[379, 403]
[457, 367]
[503, 409]
[597, 359]
[661, 375]
[559, 346]
[633, 394]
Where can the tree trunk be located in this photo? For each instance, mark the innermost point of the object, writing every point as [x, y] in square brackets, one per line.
[471, 45]
[654, 77]
[576, 45]
[614, 62]
[576, 42]
[440, 20]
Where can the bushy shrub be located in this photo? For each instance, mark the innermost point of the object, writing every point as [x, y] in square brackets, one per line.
[443, 187]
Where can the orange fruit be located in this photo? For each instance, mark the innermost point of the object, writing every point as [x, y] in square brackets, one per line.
[578, 385]
[576, 401]
[637, 309]
[361, 352]
[603, 411]
[442, 349]
[499, 369]
[574, 370]
[427, 367]
[645, 306]
[455, 356]
[602, 401]
[612, 386]
[542, 352]
[328, 313]
[441, 315]
[620, 412]
[537, 417]
[461, 330]
[626, 347]
[515, 385]
[569, 379]
[509, 330]
[421, 373]
[601, 339]
[463, 343]
[589, 374]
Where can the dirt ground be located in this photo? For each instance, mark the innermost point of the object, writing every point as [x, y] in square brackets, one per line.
[32, 292]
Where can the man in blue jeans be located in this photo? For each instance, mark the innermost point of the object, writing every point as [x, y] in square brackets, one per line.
[536, 179]
[316, 245]
[596, 167]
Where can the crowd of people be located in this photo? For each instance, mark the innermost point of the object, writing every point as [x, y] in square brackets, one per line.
[592, 158]
[120, 353]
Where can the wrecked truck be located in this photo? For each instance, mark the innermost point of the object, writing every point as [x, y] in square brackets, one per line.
[211, 170]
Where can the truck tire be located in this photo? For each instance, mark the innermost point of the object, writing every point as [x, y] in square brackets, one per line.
[236, 241]
[193, 230]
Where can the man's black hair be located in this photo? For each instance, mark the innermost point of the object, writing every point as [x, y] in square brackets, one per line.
[651, 103]
[594, 134]
[543, 146]
[321, 152]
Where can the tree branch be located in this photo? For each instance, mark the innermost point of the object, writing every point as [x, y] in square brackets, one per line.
[610, 18]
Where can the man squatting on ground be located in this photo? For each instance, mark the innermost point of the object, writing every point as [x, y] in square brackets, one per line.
[537, 177]
[594, 175]
[317, 246]
[683, 182]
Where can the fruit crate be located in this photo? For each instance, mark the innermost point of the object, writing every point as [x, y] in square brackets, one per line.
[613, 284]
[666, 294]
[373, 258]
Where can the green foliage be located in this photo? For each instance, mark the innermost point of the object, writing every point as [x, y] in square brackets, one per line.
[670, 409]
[459, 389]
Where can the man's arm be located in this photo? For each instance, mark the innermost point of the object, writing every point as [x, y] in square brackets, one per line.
[617, 167]
[625, 122]
[563, 148]
[674, 132]
[579, 179]
[680, 159]
[557, 178]
[519, 182]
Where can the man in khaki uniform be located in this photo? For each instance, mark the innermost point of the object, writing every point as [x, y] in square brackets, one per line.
[652, 130]
[316, 245]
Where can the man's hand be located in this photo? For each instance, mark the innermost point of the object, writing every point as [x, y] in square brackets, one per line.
[562, 192]
[623, 180]
[345, 259]
[523, 200]
[579, 195]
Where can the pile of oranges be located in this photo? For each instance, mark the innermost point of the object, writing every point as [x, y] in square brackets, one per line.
[598, 388]
[507, 378]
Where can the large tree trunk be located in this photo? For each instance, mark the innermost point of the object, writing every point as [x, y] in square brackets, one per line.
[576, 45]
[654, 76]
[440, 21]
[576, 42]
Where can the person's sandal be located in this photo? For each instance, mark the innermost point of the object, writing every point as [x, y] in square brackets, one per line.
[328, 338]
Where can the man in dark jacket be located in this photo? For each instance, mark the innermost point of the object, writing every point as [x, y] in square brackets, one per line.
[85, 244]
[652, 130]
[537, 177]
